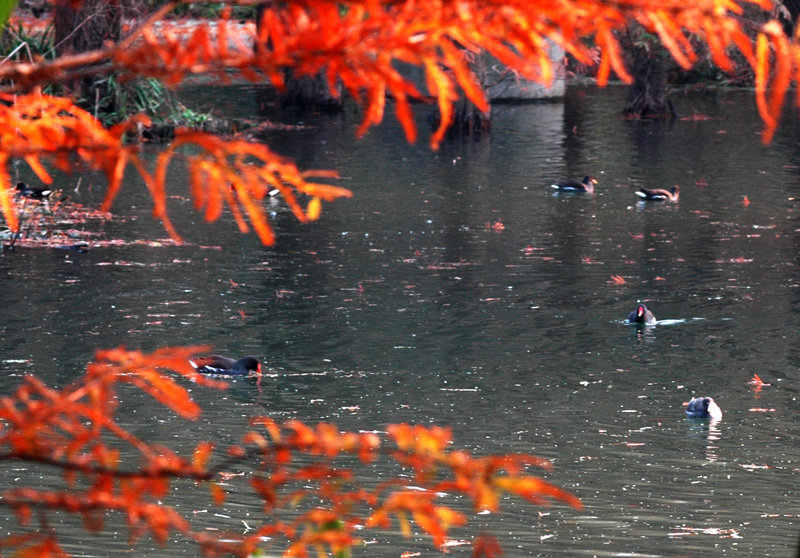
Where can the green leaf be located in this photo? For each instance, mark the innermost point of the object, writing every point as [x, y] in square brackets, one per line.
[6, 7]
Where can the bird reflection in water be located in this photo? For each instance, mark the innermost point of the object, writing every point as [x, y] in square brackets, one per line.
[705, 416]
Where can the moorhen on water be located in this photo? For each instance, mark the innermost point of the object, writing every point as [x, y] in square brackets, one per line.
[703, 408]
[659, 194]
[216, 364]
[641, 316]
[32, 192]
[574, 186]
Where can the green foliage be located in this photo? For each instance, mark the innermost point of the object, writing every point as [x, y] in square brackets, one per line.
[19, 45]
[145, 96]
[120, 101]
[211, 10]
[117, 101]
[182, 115]
[6, 7]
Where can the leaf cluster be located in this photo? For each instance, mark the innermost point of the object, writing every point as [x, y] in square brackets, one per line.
[44, 130]
[293, 467]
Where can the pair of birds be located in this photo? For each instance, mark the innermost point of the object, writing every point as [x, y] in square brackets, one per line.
[698, 407]
[647, 194]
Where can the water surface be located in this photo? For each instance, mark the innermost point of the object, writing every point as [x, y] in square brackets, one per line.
[456, 289]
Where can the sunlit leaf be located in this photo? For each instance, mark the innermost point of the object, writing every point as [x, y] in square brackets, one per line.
[314, 209]
[217, 493]
[201, 454]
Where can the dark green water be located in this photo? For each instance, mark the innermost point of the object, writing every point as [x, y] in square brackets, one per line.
[406, 304]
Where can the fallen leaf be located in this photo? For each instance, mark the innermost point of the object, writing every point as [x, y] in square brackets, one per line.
[696, 117]
[757, 381]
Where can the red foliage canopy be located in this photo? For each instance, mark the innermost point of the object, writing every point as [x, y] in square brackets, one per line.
[358, 43]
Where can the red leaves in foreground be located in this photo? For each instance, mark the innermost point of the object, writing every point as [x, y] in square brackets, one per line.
[360, 45]
[42, 129]
[291, 466]
[241, 174]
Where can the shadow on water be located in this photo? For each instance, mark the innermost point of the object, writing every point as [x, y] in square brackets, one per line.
[455, 289]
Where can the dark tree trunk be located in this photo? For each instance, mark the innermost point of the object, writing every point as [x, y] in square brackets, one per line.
[87, 28]
[647, 96]
[468, 119]
[311, 92]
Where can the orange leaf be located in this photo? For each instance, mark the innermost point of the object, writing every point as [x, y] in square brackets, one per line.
[673, 38]
[217, 493]
[533, 488]
[7, 201]
[782, 71]
[762, 72]
[405, 526]
[406, 118]
[201, 454]
[314, 209]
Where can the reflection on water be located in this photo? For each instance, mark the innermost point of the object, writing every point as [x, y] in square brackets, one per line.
[709, 433]
[455, 289]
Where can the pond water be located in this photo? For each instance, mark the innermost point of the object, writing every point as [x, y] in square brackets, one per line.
[456, 289]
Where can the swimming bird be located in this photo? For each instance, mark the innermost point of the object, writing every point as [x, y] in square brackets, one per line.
[216, 364]
[703, 408]
[574, 186]
[659, 194]
[32, 192]
[642, 316]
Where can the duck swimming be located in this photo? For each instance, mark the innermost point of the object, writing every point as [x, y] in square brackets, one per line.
[574, 186]
[216, 364]
[703, 408]
[659, 194]
[642, 316]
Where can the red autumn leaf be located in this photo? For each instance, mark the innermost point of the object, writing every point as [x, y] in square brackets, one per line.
[314, 209]
[535, 489]
[218, 493]
[201, 454]
[486, 546]
[757, 381]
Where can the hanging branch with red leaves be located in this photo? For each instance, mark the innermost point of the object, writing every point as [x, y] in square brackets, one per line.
[41, 129]
[292, 467]
[359, 44]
